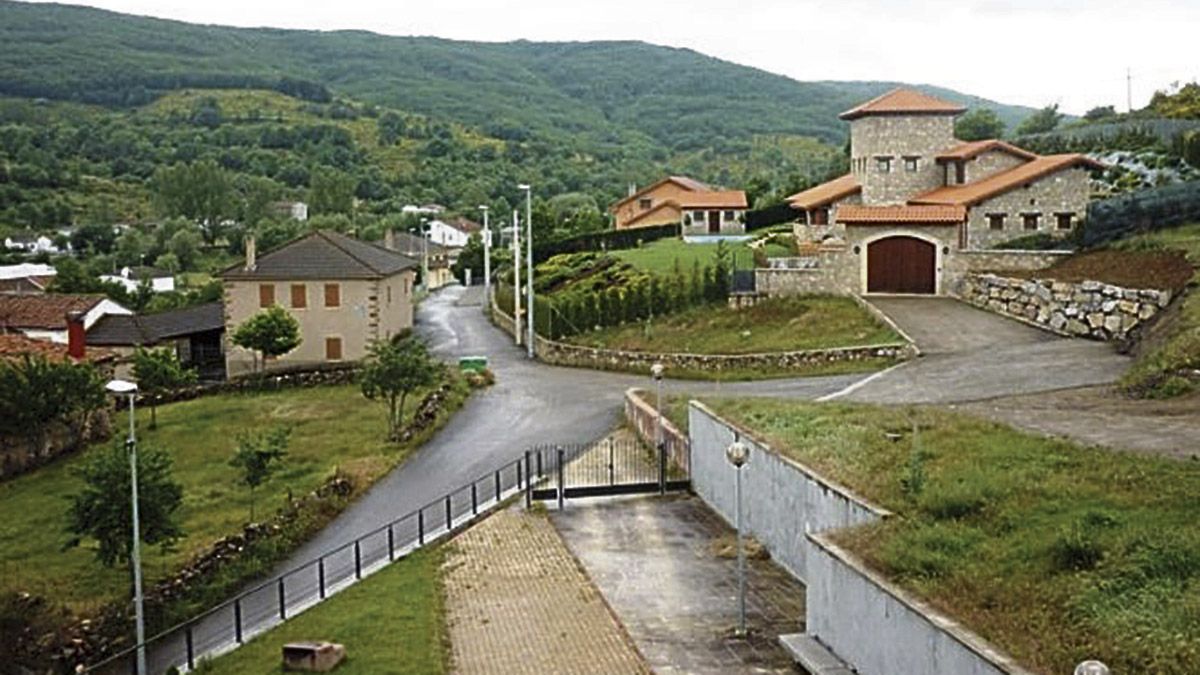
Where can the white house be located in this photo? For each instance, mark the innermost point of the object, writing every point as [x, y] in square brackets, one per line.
[131, 279]
[31, 244]
[423, 210]
[452, 234]
[26, 278]
[293, 210]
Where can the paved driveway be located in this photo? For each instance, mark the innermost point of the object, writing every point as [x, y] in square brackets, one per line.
[970, 355]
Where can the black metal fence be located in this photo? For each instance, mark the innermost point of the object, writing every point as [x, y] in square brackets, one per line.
[606, 468]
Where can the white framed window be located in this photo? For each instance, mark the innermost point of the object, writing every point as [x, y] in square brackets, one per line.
[883, 164]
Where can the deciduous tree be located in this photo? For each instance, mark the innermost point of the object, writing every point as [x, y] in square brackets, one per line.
[271, 333]
[393, 371]
[979, 124]
[157, 371]
[258, 456]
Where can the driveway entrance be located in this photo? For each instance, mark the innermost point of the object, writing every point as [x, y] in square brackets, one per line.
[901, 265]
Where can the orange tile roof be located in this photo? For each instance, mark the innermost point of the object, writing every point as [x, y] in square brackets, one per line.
[829, 191]
[684, 182]
[973, 193]
[728, 199]
[973, 149]
[854, 214]
[14, 346]
[900, 101]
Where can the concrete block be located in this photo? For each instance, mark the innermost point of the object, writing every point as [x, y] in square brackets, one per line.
[813, 657]
[317, 657]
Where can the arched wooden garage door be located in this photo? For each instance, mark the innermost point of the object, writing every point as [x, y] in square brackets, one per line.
[901, 265]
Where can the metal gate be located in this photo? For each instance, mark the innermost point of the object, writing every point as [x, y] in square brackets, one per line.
[609, 467]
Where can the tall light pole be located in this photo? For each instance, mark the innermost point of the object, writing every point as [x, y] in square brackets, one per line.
[738, 453]
[656, 371]
[487, 258]
[425, 253]
[123, 388]
[517, 276]
[528, 267]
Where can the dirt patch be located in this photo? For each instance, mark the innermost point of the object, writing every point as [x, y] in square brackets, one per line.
[1131, 269]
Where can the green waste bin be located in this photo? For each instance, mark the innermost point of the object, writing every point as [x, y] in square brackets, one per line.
[475, 364]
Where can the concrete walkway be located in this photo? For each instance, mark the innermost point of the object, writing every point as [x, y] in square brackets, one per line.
[517, 602]
[666, 565]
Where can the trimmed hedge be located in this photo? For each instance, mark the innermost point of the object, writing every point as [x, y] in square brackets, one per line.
[776, 214]
[1143, 211]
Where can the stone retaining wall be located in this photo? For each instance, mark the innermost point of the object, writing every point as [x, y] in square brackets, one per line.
[1084, 309]
[785, 506]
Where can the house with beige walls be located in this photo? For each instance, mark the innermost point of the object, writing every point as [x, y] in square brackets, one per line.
[920, 208]
[344, 293]
[696, 207]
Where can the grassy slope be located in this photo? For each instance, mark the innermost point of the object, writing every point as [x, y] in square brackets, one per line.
[333, 428]
[1053, 551]
[778, 324]
[1180, 349]
[659, 257]
[392, 622]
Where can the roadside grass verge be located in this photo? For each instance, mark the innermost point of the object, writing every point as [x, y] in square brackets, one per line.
[1169, 365]
[1053, 551]
[391, 622]
[774, 325]
[334, 430]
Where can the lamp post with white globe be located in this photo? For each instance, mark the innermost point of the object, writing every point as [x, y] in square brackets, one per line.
[1091, 668]
[738, 453]
[124, 388]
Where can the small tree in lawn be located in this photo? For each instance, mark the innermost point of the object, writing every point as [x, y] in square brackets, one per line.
[394, 370]
[258, 456]
[102, 509]
[271, 333]
[157, 371]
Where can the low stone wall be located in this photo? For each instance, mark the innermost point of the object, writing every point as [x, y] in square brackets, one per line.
[19, 455]
[846, 601]
[997, 260]
[1084, 309]
[271, 380]
[785, 506]
[643, 417]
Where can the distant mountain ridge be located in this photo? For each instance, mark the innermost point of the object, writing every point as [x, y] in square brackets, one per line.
[609, 92]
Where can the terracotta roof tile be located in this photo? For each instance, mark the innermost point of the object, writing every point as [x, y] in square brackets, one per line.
[825, 193]
[690, 184]
[900, 101]
[973, 193]
[729, 199]
[42, 311]
[854, 214]
[973, 149]
[14, 346]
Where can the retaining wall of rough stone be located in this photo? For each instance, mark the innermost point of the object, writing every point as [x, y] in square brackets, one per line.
[785, 506]
[1083, 309]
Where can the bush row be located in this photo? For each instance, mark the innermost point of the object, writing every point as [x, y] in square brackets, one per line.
[1143, 211]
[609, 240]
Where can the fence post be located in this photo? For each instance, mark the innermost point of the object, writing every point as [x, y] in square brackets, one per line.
[528, 483]
[282, 603]
[391, 544]
[357, 560]
[497, 486]
[237, 620]
[541, 474]
[421, 527]
[474, 501]
[321, 576]
[519, 483]
[191, 648]
[449, 522]
[612, 471]
[561, 473]
[662, 467]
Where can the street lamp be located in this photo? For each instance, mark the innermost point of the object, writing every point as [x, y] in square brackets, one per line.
[487, 257]
[123, 388]
[738, 453]
[516, 228]
[656, 372]
[528, 265]
[425, 253]
[1091, 668]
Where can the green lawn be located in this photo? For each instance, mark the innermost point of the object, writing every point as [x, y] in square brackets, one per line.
[334, 428]
[775, 325]
[659, 256]
[1053, 551]
[391, 622]
[1153, 373]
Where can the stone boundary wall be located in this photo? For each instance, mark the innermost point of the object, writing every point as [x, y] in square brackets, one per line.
[846, 600]
[1080, 309]
[578, 356]
[785, 506]
[643, 417]
[20, 455]
[272, 380]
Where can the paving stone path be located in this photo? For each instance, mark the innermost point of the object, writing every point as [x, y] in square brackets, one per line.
[518, 602]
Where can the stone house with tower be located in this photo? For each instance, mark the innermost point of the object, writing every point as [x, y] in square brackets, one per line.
[920, 209]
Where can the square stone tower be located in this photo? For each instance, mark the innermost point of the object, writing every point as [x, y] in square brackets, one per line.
[894, 143]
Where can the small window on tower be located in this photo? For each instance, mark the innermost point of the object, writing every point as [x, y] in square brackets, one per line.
[1064, 220]
[883, 164]
[1031, 220]
[995, 221]
[911, 163]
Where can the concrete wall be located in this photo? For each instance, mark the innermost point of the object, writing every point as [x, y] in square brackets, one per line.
[782, 499]
[641, 414]
[899, 136]
[1065, 191]
[880, 629]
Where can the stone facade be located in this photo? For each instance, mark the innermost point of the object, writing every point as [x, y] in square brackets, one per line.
[919, 137]
[1085, 309]
[986, 164]
[1064, 192]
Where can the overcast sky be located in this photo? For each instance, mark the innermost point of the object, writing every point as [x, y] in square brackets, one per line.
[1033, 52]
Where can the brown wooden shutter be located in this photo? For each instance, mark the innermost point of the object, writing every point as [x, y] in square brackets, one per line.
[299, 296]
[333, 349]
[333, 295]
[266, 295]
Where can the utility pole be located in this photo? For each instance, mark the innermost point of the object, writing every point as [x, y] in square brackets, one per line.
[517, 275]
[425, 253]
[529, 334]
[487, 258]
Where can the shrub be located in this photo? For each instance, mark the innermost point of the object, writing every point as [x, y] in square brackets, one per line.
[1075, 549]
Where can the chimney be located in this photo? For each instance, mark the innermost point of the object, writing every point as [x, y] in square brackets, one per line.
[251, 254]
[76, 337]
[632, 189]
[389, 239]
